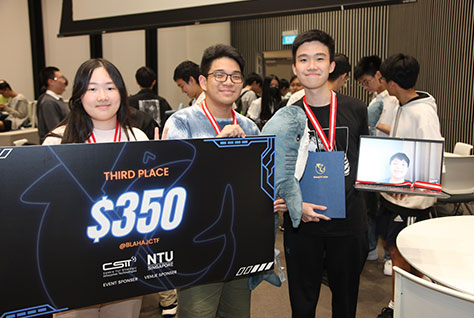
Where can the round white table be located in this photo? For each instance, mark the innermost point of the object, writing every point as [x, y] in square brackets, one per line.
[442, 249]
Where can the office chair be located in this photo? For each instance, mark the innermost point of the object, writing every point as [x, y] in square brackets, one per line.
[458, 181]
[463, 149]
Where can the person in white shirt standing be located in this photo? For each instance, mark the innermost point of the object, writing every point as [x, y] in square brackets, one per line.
[381, 107]
[380, 114]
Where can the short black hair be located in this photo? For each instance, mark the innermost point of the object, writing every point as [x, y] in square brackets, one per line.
[314, 35]
[185, 70]
[46, 74]
[368, 65]
[218, 51]
[402, 69]
[145, 76]
[342, 66]
[400, 156]
[284, 84]
[4, 85]
[253, 77]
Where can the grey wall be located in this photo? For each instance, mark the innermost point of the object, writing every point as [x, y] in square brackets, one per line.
[438, 33]
[125, 49]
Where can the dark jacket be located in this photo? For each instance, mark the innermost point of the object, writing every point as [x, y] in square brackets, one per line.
[146, 94]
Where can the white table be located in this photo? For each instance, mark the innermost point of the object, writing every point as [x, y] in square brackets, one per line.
[442, 249]
[8, 137]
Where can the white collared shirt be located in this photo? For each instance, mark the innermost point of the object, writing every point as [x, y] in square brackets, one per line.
[53, 94]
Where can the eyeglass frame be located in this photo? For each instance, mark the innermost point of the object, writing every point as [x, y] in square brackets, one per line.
[227, 76]
[365, 83]
[60, 77]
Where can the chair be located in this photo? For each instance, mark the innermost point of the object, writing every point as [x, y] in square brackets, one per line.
[20, 142]
[458, 181]
[416, 297]
[463, 149]
[32, 113]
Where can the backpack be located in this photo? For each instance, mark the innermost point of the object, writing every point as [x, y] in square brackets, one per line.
[238, 102]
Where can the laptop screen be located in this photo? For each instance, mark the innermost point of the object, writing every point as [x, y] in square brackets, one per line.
[399, 161]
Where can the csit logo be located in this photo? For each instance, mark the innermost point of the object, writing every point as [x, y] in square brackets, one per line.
[119, 264]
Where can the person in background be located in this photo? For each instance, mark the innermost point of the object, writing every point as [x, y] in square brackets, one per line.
[380, 116]
[186, 76]
[51, 108]
[295, 85]
[99, 113]
[222, 80]
[415, 117]
[275, 82]
[263, 108]
[146, 79]
[251, 91]
[338, 77]
[381, 107]
[3, 99]
[16, 109]
[284, 88]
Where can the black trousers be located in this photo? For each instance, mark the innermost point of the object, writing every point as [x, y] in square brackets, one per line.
[307, 254]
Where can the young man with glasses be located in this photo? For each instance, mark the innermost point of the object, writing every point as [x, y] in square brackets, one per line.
[221, 79]
[380, 115]
[382, 105]
[51, 108]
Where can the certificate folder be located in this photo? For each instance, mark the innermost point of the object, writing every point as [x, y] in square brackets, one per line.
[323, 182]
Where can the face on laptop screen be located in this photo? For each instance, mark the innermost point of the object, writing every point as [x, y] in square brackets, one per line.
[394, 161]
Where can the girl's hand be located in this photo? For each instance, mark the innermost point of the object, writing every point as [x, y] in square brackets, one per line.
[157, 134]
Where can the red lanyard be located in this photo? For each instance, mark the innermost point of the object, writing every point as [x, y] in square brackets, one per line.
[213, 121]
[328, 145]
[117, 135]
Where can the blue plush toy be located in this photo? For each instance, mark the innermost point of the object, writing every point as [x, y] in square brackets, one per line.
[288, 124]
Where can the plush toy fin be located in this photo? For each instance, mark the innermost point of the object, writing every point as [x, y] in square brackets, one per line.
[288, 124]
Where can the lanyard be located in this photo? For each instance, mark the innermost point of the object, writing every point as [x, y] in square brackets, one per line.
[213, 121]
[117, 135]
[328, 145]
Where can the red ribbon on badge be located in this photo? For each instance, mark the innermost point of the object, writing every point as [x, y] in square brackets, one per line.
[328, 145]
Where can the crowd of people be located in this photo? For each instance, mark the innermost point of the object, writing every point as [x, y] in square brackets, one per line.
[224, 103]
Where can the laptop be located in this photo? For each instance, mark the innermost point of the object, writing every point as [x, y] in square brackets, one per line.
[400, 165]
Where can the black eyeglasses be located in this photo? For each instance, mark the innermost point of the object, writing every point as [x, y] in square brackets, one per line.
[222, 76]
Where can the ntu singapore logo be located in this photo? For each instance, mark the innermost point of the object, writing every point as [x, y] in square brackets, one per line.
[320, 168]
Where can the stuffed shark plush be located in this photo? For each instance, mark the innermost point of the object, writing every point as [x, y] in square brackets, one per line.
[288, 124]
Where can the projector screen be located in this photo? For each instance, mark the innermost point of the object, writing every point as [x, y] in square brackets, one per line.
[82, 17]
[112, 8]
